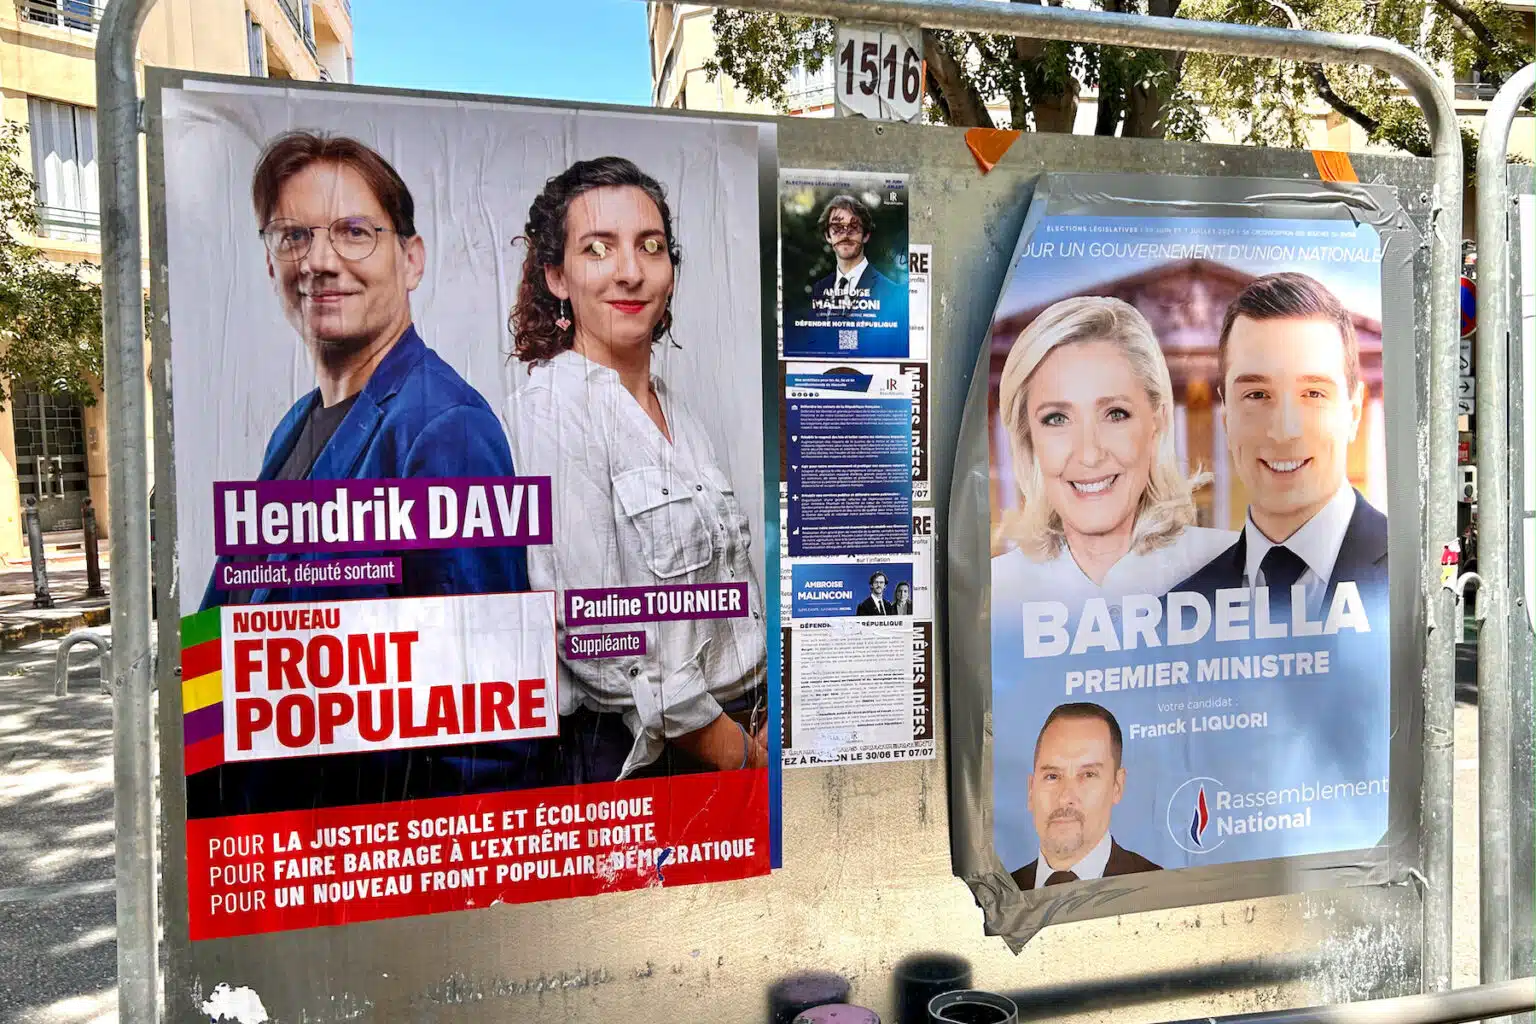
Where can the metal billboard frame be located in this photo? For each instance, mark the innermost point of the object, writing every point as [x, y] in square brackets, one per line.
[119, 118]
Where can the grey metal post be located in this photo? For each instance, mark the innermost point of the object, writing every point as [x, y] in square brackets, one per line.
[1495, 702]
[1439, 443]
[122, 320]
[41, 598]
[91, 536]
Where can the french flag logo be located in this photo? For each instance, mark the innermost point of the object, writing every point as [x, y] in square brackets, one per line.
[1201, 819]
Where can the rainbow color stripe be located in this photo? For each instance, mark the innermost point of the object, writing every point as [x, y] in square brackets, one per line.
[202, 691]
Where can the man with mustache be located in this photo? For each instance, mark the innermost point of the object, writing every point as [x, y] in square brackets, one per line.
[1293, 398]
[1076, 782]
[847, 226]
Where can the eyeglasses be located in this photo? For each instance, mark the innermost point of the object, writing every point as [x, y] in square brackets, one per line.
[844, 228]
[352, 238]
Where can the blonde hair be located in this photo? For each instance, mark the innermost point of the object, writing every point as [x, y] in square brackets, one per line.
[1167, 506]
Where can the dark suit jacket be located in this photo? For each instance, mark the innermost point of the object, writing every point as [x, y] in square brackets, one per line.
[867, 607]
[1121, 862]
[1362, 558]
[881, 289]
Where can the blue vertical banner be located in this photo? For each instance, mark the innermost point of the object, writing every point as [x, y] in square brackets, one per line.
[845, 263]
[848, 433]
[1190, 636]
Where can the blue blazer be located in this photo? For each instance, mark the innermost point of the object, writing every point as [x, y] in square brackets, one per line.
[881, 289]
[416, 417]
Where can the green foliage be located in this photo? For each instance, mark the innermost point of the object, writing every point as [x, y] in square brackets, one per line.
[1264, 102]
[760, 51]
[50, 315]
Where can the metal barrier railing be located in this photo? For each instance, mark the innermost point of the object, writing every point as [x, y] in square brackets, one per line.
[123, 325]
[1482, 1002]
[1495, 696]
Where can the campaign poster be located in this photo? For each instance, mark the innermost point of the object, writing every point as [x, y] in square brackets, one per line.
[1189, 612]
[844, 253]
[857, 634]
[469, 502]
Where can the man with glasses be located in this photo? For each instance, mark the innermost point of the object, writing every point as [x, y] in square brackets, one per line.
[343, 255]
[854, 289]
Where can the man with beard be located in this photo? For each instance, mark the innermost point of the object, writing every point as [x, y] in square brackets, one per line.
[854, 289]
[1076, 782]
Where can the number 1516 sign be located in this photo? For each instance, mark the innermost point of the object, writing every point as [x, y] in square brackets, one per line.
[879, 72]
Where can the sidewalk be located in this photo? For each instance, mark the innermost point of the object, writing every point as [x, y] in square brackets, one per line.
[22, 624]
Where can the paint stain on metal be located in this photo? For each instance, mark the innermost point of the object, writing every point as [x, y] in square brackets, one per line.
[240, 1005]
[457, 989]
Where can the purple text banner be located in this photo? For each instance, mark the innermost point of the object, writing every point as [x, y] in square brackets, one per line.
[337, 516]
[609, 606]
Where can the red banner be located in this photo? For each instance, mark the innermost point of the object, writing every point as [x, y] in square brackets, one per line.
[303, 869]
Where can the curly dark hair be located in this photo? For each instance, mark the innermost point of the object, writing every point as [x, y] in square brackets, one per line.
[852, 206]
[535, 335]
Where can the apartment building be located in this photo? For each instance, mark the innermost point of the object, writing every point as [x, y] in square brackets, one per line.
[682, 41]
[52, 447]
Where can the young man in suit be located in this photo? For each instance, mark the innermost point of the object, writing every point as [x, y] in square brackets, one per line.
[876, 604]
[1076, 782]
[854, 288]
[1293, 401]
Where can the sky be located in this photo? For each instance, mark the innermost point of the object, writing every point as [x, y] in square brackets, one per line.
[588, 50]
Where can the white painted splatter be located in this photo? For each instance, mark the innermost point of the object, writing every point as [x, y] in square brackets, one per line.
[241, 1005]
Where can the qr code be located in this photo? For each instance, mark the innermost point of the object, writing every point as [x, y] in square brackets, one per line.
[847, 341]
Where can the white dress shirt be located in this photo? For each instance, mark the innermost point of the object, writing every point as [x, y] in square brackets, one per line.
[846, 282]
[1016, 578]
[1091, 866]
[1317, 543]
[632, 510]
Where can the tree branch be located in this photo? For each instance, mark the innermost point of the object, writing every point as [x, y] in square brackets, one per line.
[1478, 27]
[966, 106]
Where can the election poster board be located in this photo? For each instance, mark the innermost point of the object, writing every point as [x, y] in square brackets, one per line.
[469, 502]
[844, 241]
[1191, 656]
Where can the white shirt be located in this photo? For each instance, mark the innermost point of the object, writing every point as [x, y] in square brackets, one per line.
[845, 282]
[1016, 578]
[631, 510]
[1091, 866]
[1317, 543]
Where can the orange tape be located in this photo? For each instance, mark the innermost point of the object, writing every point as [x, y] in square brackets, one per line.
[988, 145]
[1333, 165]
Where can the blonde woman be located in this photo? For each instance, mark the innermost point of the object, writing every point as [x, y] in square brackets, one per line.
[1107, 512]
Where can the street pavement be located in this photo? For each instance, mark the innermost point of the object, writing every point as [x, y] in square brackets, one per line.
[58, 954]
[57, 947]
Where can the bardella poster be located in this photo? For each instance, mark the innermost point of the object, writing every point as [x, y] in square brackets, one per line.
[1189, 615]
[469, 503]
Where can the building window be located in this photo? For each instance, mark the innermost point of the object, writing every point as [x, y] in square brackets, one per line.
[80, 15]
[256, 47]
[64, 163]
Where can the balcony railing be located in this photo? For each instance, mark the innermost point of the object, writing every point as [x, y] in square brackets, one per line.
[1476, 90]
[296, 18]
[76, 15]
[68, 225]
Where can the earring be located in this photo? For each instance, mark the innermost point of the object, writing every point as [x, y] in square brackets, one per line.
[563, 321]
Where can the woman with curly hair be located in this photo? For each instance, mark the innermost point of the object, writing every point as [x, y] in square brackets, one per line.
[639, 496]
